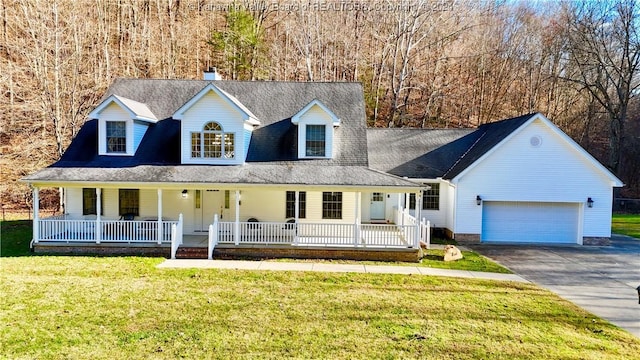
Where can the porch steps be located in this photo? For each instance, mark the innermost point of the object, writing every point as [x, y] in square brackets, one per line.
[192, 253]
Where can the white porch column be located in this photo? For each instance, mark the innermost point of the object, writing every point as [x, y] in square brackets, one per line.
[418, 213]
[36, 214]
[236, 235]
[296, 217]
[159, 232]
[98, 215]
[297, 206]
[356, 225]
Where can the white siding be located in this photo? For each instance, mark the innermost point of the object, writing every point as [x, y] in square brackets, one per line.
[73, 208]
[264, 205]
[448, 192]
[212, 107]
[551, 172]
[139, 129]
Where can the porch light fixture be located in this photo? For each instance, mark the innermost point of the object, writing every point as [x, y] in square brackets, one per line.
[478, 200]
[185, 193]
[638, 288]
[590, 202]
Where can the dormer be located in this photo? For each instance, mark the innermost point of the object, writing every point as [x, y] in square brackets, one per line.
[122, 124]
[316, 123]
[215, 127]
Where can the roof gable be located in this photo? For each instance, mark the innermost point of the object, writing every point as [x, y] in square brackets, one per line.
[295, 119]
[235, 103]
[135, 109]
[505, 131]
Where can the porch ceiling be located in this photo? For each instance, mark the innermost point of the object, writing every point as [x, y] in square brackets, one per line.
[283, 174]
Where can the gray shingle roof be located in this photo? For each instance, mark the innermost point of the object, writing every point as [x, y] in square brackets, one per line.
[273, 103]
[417, 153]
[433, 153]
[272, 155]
[248, 174]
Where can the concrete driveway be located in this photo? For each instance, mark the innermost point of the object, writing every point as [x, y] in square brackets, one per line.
[600, 279]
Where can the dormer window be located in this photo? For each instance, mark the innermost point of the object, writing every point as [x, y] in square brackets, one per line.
[316, 131]
[315, 140]
[122, 123]
[212, 142]
[116, 137]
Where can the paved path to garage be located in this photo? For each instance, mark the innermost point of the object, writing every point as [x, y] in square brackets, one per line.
[600, 279]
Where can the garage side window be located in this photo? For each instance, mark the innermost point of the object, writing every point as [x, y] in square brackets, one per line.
[431, 197]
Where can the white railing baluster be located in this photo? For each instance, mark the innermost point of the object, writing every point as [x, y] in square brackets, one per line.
[174, 240]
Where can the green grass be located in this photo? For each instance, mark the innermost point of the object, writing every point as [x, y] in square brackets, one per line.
[626, 224]
[126, 308]
[15, 237]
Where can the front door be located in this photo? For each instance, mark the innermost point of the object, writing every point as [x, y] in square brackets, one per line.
[206, 203]
[377, 206]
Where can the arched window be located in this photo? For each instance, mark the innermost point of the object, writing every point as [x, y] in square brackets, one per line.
[212, 142]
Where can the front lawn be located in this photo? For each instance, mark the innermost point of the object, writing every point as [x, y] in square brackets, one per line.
[626, 224]
[126, 308]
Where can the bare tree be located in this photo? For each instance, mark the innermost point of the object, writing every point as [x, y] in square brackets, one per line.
[605, 48]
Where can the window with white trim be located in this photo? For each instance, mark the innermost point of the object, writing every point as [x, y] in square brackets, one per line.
[331, 205]
[90, 202]
[129, 202]
[116, 136]
[291, 205]
[315, 140]
[431, 197]
[212, 142]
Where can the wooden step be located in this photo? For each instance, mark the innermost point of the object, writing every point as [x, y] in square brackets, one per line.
[192, 253]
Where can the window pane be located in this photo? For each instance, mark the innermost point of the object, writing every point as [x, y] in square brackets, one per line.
[315, 141]
[229, 146]
[412, 201]
[431, 197]
[116, 136]
[212, 145]
[129, 202]
[198, 199]
[212, 126]
[89, 201]
[332, 205]
[227, 197]
[291, 204]
[196, 146]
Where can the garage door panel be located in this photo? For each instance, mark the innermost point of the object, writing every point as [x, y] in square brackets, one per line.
[529, 222]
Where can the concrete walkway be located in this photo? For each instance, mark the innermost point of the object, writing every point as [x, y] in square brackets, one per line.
[599, 279]
[338, 268]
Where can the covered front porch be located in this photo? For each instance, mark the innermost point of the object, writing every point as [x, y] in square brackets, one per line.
[241, 219]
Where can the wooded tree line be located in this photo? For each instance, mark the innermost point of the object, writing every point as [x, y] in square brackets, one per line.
[438, 63]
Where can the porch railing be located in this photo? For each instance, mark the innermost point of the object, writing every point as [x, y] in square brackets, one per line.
[62, 229]
[316, 234]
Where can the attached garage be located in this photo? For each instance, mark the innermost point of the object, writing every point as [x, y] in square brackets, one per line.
[530, 222]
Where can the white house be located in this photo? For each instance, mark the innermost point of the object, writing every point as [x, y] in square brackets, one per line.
[290, 169]
[520, 180]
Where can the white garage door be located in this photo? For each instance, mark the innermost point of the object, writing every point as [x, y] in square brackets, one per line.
[530, 222]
